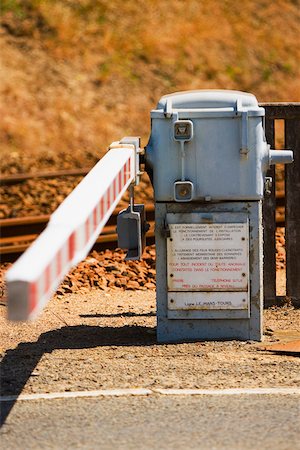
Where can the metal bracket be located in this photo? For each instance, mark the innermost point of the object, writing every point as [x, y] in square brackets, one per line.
[280, 156]
[244, 150]
[165, 231]
[136, 141]
[240, 111]
[168, 108]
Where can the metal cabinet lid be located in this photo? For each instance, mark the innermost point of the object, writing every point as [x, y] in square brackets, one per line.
[212, 98]
[209, 101]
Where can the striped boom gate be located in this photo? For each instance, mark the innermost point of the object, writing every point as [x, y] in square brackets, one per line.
[71, 232]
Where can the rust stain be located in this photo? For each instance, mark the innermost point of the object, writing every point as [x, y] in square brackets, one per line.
[285, 347]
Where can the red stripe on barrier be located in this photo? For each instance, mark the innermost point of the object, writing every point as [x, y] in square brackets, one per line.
[71, 245]
[32, 296]
[102, 208]
[95, 218]
[115, 188]
[120, 180]
[87, 230]
[58, 263]
[47, 279]
[108, 198]
[97, 214]
[124, 174]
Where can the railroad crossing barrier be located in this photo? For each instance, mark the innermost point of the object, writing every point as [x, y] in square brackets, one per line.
[72, 230]
[208, 160]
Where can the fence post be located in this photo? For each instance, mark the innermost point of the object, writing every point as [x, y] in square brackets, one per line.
[269, 224]
[292, 210]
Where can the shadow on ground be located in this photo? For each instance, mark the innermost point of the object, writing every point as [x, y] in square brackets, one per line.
[127, 314]
[18, 364]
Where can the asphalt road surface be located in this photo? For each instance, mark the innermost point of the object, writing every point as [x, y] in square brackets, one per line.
[155, 422]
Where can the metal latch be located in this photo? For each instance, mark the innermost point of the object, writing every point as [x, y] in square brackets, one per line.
[136, 141]
[268, 185]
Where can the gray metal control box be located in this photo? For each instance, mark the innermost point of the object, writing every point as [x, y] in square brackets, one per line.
[208, 157]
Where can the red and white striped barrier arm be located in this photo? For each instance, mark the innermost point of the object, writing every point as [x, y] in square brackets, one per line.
[71, 232]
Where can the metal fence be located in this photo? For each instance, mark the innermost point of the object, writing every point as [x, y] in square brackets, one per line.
[290, 113]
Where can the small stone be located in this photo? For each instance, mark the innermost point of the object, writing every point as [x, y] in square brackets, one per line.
[150, 285]
[132, 285]
[268, 333]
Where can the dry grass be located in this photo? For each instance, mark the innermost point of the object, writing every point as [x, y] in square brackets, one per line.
[76, 75]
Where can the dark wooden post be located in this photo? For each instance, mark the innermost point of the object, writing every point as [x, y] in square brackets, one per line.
[292, 208]
[269, 224]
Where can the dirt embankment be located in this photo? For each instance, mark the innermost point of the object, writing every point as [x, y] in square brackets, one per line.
[76, 76]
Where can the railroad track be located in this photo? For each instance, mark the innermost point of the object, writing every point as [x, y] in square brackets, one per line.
[18, 234]
[7, 180]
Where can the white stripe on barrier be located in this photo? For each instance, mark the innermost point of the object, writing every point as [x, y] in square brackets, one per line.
[71, 232]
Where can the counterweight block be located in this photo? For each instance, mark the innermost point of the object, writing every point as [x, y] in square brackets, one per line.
[131, 229]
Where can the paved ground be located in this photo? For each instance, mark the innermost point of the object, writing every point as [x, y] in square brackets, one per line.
[97, 340]
[107, 341]
[156, 422]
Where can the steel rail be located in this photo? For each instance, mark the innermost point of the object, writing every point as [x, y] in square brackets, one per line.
[11, 250]
[18, 234]
[20, 177]
[18, 226]
[13, 244]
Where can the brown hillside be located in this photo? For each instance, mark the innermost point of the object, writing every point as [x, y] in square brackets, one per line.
[76, 75]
